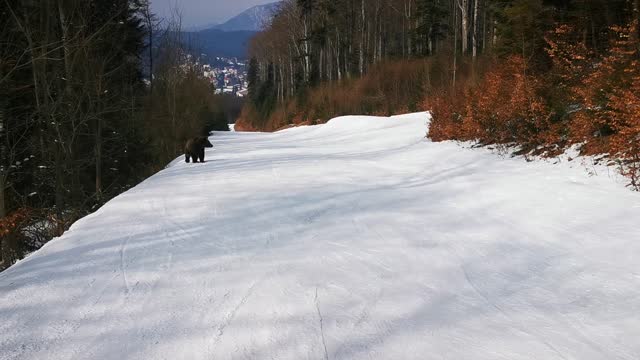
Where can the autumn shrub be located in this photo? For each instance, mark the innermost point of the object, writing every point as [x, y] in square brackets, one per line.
[585, 98]
[448, 113]
[605, 91]
[507, 107]
[504, 106]
[621, 106]
[27, 229]
[11, 238]
[611, 97]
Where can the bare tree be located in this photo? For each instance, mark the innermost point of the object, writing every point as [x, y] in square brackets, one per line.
[474, 36]
[151, 25]
[463, 6]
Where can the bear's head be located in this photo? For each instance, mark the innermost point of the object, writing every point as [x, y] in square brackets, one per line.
[204, 142]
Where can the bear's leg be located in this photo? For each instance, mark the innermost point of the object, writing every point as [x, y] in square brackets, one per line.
[201, 155]
[187, 158]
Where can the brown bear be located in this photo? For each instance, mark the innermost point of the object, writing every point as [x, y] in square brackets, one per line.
[194, 149]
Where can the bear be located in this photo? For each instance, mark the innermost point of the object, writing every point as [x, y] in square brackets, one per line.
[194, 149]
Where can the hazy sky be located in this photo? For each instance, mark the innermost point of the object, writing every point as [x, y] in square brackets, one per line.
[202, 12]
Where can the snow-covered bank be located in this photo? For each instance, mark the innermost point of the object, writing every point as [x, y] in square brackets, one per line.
[358, 239]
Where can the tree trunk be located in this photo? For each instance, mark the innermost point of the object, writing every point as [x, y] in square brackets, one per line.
[151, 61]
[98, 139]
[59, 189]
[4, 167]
[338, 56]
[463, 5]
[379, 36]
[636, 9]
[4, 156]
[329, 60]
[8, 251]
[484, 29]
[149, 19]
[494, 31]
[291, 73]
[362, 40]
[408, 14]
[3, 208]
[307, 55]
[455, 52]
[65, 44]
[320, 65]
[282, 79]
[475, 30]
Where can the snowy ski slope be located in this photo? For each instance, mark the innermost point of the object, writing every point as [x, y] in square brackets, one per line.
[358, 239]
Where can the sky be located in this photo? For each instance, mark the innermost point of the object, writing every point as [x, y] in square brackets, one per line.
[204, 12]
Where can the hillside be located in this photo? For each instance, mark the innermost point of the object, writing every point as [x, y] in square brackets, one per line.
[218, 43]
[231, 38]
[356, 239]
[252, 19]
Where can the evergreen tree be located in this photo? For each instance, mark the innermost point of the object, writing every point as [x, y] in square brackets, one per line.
[431, 17]
[252, 79]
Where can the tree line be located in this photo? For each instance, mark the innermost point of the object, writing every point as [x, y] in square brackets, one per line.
[540, 74]
[94, 97]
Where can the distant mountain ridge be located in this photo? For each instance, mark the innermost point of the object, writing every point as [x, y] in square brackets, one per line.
[231, 39]
[214, 42]
[252, 19]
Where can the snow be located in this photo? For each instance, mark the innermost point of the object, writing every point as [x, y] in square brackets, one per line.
[358, 239]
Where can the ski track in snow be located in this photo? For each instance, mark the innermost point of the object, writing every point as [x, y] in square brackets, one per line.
[357, 239]
[123, 265]
[321, 325]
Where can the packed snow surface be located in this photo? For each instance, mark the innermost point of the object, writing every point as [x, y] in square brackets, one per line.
[358, 239]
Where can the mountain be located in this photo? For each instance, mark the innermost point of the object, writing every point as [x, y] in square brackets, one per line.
[216, 42]
[230, 39]
[355, 239]
[197, 28]
[252, 19]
